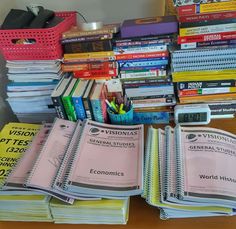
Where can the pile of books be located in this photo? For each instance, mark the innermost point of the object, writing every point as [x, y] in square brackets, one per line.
[32, 83]
[190, 171]
[73, 162]
[204, 66]
[89, 53]
[143, 57]
[77, 99]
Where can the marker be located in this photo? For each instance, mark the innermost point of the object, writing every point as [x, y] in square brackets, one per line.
[121, 111]
[110, 106]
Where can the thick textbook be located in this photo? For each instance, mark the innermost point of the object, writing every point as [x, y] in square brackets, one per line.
[14, 139]
[108, 161]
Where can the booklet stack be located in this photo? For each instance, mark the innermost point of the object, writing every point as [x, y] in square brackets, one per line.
[190, 172]
[78, 161]
[32, 83]
[104, 211]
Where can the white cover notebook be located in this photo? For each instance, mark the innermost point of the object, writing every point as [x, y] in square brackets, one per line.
[108, 161]
[206, 165]
[49, 160]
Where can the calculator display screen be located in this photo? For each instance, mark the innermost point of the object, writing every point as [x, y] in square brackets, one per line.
[192, 117]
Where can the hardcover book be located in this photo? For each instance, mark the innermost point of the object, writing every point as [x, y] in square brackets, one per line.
[149, 26]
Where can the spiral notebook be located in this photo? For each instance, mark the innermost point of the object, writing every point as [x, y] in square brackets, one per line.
[108, 161]
[19, 174]
[48, 162]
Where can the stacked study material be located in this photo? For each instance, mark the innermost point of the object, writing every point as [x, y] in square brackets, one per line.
[17, 203]
[190, 172]
[143, 57]
[204, 66]
[31, 87]
[77, 99]
[89, 53]
[104, 211]
[61, 162]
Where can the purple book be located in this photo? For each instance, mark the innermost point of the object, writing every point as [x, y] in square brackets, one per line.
[149, 26]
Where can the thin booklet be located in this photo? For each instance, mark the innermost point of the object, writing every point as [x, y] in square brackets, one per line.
[108, 161]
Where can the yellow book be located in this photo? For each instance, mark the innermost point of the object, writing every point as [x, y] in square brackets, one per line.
[204, 75]
[88, 55]
[218, 7]
[14, 139]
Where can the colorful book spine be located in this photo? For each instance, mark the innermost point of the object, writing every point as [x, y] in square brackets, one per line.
[88, 38]
[104, 54]
[206, 8]
[142, 55]
[59, 107]
[140, 43]
[92, 74]
[143, 63]
[79, 107]
[207, 17]
[142, 73]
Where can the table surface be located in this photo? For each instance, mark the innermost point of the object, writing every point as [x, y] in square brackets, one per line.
[143, 215]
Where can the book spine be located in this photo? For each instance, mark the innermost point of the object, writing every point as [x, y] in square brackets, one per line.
[206, 91]
[69, 108]
[90, 46]
[88, 60]
[167, 98]
[192, 31]
[79, 108]
[191, 2]
[106, 73]
[89, 55]
[208, 44]
[142, 55]
[143, 64]
[97, 110]
[146, 84]
[138, 68]
[87, 66]
[222, 109]
[58, 105]
[88, 38]
[141, 74]
[207, 17]
[140, 43]
[206, 8]
[151, 118]
[154, 48]
[207, 37]
[206, 23]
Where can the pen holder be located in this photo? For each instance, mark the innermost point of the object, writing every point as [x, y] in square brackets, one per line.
[121, 119]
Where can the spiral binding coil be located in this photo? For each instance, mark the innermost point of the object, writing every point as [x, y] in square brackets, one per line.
[27, 182]
[75, 154]
[179, 164]
[57, 182]
[203, 52]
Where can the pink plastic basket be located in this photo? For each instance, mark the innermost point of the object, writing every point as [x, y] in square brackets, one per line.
[47, 41]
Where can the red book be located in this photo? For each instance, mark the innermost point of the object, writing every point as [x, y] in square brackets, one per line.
[95, 74]
[207, 17]
[207, 37]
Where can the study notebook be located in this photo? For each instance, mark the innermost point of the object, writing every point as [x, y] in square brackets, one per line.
[206, 159]
[108, 161]
[49, 160]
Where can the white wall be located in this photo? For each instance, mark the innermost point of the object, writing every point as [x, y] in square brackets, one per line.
[107, 11]
[5, 6]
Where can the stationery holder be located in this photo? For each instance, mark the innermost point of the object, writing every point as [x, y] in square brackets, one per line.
[121, 119]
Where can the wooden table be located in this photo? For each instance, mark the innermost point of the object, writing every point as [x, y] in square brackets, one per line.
[143, 215]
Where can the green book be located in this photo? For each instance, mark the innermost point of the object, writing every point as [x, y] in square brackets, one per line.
[67, 100]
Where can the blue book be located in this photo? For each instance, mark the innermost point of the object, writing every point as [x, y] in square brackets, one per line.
[151, 117]
[77, 99]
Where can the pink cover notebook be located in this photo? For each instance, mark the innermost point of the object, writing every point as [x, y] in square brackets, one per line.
[47, 164]
[109, 161]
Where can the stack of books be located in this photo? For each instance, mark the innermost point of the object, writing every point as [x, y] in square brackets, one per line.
[204, 66]
[32, 83]
[74, 161]
[77, 99]
[190, 172]
[89, 53]
[143, 57]
[19, 204]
